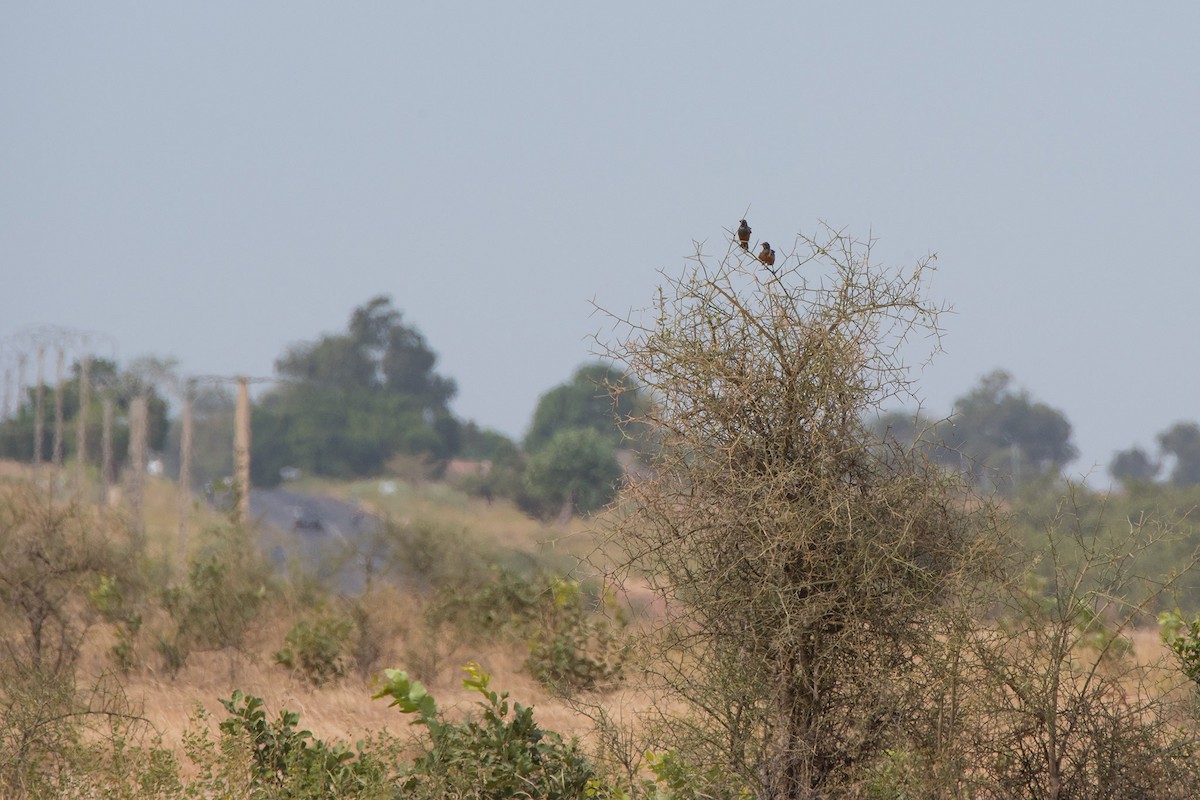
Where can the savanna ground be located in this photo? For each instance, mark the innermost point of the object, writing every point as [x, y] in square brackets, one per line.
[459, 580]
[434, 546]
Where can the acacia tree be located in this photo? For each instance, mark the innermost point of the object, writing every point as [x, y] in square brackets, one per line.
[806, 565]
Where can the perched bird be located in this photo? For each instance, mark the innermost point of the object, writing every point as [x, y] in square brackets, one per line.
[767, 255]
[743, 233]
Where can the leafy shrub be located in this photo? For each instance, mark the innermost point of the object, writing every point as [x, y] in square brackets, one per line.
[504, 603]
[1182, 635]
[503, 753]
[223, 594]
[286, 761]
[677, 779]
[317, 648]
[574, 647]
[572, 644]
[109, 599]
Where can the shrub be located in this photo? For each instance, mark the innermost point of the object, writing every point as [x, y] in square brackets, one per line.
[574, 647]
[287, 761]
[317, 648]
[222, 596]
[503, 753]
[108, 599]
[573, 644]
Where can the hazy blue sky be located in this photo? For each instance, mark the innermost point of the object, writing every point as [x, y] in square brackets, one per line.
[214, 181]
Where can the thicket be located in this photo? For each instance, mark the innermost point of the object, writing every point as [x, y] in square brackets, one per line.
[575, 633]
[51, 555]
[845, 617]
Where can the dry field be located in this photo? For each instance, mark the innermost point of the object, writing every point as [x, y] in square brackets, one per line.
[342, 709]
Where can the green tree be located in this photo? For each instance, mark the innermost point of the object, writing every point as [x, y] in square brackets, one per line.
[575, 471]
[485, 444]
[351, 401]
[213, 409]
[1001, 431]
[106, 377]
[598, 397]
[1182, 440]
[1133, 466]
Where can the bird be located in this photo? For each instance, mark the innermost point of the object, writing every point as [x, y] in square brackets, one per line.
[767, 255]
[743, 234]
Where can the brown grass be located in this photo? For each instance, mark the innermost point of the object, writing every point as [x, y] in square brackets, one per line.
[341, 710]
[344, 709]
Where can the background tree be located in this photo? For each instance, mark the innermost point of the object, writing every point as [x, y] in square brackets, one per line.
[598, 397]
[910, 430]
[576, 470]
[1133, 466]
[212, 434]
[349, 402]
[1001, 431]
[484, 444]
[807, 569]
[1182, 441]
[17, 434]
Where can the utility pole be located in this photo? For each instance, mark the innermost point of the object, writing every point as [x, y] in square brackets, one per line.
[106, 448]
[22, 357]
[85, 406]
[241, 449]
[8, 378]
[185, 472]
[241, 437]
[137, 468]
[56, 453]
[37, 338]
[39, 421]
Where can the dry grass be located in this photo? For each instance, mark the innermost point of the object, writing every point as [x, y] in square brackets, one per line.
[499, 522]
[344, 709]
[341, 710]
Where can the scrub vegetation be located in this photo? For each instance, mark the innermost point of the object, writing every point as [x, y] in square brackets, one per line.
[794, 592]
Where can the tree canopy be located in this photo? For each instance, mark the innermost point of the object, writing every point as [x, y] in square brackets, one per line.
[576, 470]
[598, 397]
[350, 401]
[1182, 441]
[999, 430]
[107, 379]
[1178, 448]
[1133, 466]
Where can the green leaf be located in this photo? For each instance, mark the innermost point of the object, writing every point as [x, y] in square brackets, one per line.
[408, 695]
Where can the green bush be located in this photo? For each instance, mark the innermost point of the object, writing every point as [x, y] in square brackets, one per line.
[503, 753]
[286, 761]
[109, 599]
[504, 603]
[317, 648]
[575, 642]
[574, 646]
[222, 596]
